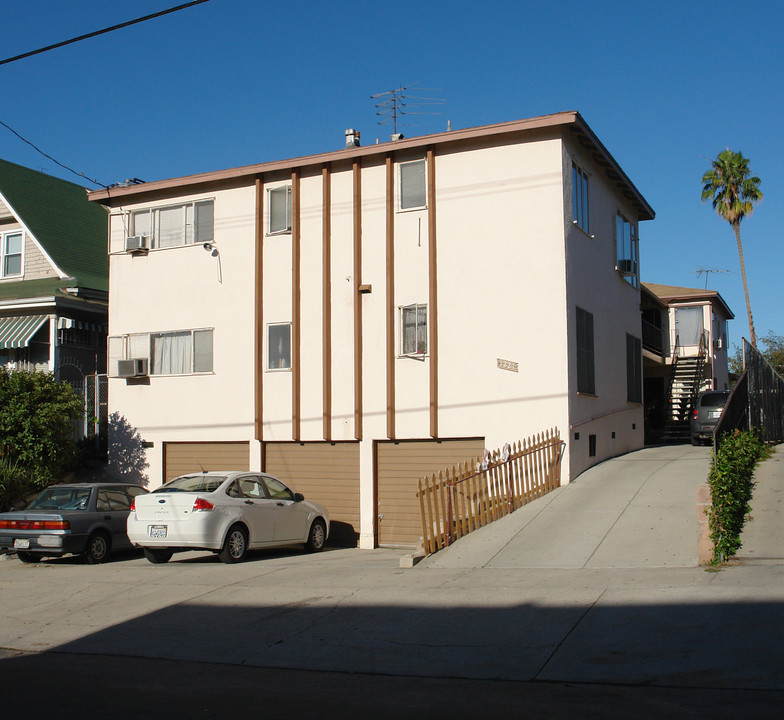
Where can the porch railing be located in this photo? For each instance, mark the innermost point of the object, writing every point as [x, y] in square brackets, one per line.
[464, 498]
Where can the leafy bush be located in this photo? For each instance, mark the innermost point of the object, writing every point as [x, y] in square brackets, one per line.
[37, 416]
[731, 485]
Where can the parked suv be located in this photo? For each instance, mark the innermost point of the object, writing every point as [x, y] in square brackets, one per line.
[705, 415]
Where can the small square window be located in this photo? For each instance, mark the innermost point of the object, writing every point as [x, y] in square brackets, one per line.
[413, 330]
[413, 193]
[279, 202]
[279, 346]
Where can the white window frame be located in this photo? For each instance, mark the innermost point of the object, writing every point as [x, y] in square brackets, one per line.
[191, 231]
[279, 368]
[139, 346]
[581, 215]
[400, 180]
[286, 226]
[627, 246]
[421, 348]
[5, 255]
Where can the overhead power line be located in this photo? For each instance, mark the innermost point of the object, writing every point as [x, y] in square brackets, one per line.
[101, 32]
[57, 162]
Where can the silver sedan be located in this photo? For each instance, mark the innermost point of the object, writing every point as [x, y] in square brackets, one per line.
[226, 512]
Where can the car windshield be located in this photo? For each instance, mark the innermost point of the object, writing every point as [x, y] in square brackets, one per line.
[714, 400]
[61, 498]
[193, 483]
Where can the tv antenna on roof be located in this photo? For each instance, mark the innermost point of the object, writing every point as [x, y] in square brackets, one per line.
[398, 102]
[700, 271]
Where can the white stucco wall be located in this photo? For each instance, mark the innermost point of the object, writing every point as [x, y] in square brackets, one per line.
[182, 288]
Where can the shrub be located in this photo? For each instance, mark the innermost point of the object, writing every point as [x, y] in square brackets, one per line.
[731, 485]
[37, 416]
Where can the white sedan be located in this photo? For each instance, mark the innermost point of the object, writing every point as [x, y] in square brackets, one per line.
[226, 512]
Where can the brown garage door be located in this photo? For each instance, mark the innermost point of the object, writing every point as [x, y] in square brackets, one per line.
[182, 458]
[327, 473]
[398, 467]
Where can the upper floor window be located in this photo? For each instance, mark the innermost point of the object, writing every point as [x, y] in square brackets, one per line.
[279, 346]
[11, 249]
[279, 203]
[175, 225]
[413, 330]
[580, 197]
[585, 356]
[628, 249]
[413, 192]
[182, 352]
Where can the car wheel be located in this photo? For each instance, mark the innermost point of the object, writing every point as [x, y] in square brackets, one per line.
[317, 536]
[98, 547]
[236, 545]
[28, 557]
[158, 556]
[695, 440]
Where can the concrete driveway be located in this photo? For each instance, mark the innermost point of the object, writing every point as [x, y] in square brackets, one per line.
[634, 511]
[349, 631]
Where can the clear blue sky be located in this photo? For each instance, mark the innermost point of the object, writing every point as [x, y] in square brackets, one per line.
[666, 86]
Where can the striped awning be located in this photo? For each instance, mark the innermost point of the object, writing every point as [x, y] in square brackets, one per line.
[15, 332]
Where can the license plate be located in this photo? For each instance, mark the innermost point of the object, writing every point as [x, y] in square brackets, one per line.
[715, 413]
[158, 531]
[21, 543]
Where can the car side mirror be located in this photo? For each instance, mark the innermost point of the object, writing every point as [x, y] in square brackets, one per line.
[298, 497]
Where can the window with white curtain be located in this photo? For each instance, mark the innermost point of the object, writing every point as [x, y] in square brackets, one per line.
[181, 352]
[175, 225]
[688, 325]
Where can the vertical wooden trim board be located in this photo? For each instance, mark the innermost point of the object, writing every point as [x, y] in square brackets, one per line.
[357, 178]
[433, 290]
[326, 299]
[390, 294]
[258, 306]
[296, 375]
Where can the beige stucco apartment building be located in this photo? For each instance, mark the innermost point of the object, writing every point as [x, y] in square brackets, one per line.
[354, 320]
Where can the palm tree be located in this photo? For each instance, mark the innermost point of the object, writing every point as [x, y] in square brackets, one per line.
[732, 193]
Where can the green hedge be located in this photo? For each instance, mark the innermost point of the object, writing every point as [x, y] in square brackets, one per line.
[731, 485]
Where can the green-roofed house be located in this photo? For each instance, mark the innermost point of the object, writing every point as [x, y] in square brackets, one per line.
[54, 276]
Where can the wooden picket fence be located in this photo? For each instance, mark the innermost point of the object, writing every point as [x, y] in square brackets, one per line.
[475, 493]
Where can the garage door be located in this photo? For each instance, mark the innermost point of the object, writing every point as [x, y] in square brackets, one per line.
[327, 473]
[182, 458]
[398, 467]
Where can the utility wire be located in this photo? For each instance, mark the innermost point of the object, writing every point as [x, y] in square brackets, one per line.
[101, 32]
[37, 149]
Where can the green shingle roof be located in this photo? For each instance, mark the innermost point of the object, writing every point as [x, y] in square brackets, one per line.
[71, 229]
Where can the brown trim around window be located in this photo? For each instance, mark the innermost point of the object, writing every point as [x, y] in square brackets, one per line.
[259, 311]
[296, 374]
[326, 299]
[390, 294]
[432, 312]
[357, 211]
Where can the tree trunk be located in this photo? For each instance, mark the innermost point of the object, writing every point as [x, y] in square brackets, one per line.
[736, 228]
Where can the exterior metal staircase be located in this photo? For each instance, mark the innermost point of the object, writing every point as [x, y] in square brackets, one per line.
[684, 386]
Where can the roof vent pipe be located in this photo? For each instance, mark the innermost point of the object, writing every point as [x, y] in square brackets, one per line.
[352, 138]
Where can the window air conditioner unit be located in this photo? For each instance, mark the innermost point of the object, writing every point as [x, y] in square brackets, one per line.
[137, 244]
[136, 367]
[626, 267]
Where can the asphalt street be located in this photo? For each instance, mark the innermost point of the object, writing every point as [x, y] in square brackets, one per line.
[588, 603]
